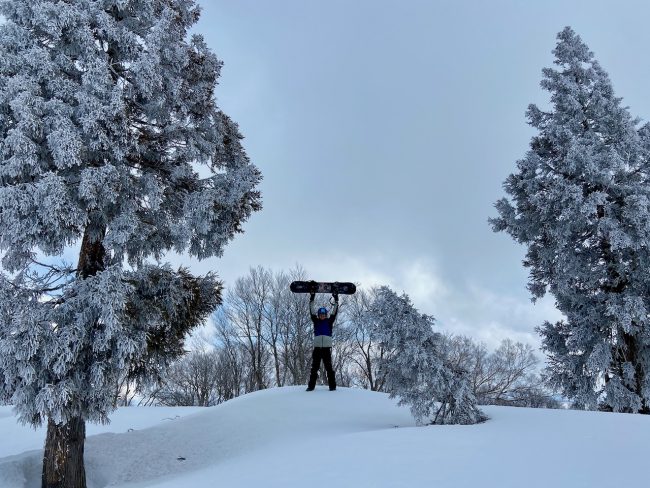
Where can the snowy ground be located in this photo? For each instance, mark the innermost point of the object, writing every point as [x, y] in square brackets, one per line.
[286, 437]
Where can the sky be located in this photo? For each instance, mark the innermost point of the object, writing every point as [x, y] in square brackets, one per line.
[385, 129]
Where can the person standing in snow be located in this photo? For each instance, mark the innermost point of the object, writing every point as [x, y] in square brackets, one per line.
[323, 324]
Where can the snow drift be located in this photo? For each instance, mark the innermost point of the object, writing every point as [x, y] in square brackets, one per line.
[287, 437]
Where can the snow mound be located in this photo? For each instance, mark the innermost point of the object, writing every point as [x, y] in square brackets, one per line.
[286, 437]
[263, 422]
[251, 426]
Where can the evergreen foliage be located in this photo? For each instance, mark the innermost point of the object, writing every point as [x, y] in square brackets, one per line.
[580, 202]
[110, 141]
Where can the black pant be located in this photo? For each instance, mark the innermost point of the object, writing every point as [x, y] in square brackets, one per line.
[324, 353]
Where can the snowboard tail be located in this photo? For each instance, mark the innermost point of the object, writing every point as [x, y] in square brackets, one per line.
[319, 287]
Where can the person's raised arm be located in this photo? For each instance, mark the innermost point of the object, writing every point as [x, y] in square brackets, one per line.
[312, 305]
[335, 307]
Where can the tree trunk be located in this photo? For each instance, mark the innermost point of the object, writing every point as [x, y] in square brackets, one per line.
[63, 463]
[63, 459]
[632, 349]
[92, 253]
[276, 359]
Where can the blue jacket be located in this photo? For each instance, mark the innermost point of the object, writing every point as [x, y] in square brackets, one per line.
[323, 327]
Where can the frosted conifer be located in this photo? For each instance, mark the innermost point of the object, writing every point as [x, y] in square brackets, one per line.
[107, 112]
[415, 372]
[580, 202]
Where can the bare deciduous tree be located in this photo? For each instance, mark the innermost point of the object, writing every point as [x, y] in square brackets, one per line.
[367, 353]
[507, 376]
[245, 308]
[296, 333]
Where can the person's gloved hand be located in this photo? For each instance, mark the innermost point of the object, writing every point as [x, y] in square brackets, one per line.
[313, 287]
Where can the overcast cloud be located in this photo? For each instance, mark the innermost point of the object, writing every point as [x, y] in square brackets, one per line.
[385, 129]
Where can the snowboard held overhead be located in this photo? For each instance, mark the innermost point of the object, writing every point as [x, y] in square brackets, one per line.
[323, 321]
[334, 288]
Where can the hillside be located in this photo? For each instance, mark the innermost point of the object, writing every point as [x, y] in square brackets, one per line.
[287, 437]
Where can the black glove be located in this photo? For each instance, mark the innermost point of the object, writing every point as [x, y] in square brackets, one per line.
[312, 296]
[336, 297]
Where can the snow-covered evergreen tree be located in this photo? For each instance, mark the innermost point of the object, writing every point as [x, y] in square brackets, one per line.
[107, 114]
[415, 372]
[580, 202]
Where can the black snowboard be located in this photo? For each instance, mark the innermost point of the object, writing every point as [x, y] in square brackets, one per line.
[315, 287]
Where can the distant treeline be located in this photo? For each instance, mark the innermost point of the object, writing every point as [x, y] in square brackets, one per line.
[263, 338]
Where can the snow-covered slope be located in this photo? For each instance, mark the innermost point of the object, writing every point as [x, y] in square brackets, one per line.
[287, 437]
